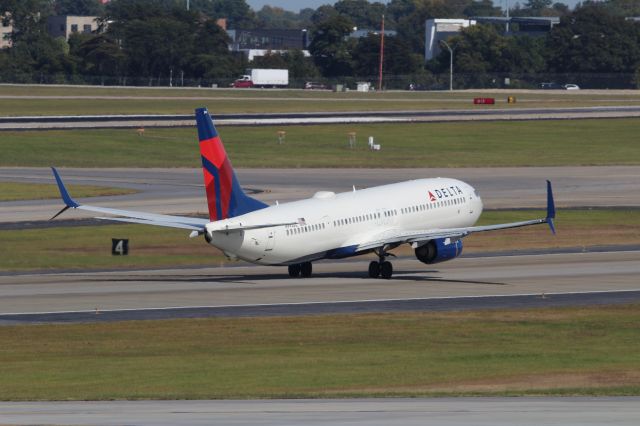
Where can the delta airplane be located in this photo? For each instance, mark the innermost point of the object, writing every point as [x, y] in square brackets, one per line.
[432, 215]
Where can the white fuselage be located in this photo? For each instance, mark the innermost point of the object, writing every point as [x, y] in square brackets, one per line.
[331, 225]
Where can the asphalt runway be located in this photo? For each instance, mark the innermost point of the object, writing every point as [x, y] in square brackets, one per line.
[180, 191]
[336, 287]
[340, 117]
[619, 411]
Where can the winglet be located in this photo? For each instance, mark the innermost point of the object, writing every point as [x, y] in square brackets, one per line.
[551, 208]
[68, 201]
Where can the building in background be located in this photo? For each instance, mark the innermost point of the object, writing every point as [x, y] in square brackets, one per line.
[5, 31]
[358, 33]
[259, 42]
[441, 29]
[64, 25]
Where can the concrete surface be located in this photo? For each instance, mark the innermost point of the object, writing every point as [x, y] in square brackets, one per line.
[370, 412]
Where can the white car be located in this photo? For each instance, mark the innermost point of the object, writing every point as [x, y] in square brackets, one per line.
[571, 87]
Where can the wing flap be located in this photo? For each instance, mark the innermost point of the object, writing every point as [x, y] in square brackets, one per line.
[148, 217]
[154, 222]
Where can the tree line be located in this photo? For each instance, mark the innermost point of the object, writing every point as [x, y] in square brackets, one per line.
[160, 42]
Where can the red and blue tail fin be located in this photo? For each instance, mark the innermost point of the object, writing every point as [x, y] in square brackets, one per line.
[225, 197]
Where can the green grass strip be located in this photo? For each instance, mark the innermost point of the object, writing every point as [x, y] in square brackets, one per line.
[567, 351]
[89, 247]
[499, 144]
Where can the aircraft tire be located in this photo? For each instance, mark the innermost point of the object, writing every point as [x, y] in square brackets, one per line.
[386, 270]
[306, 269]
[374, 269]
[294, 270]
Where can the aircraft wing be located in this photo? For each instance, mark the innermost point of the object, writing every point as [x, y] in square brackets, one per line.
[192, 223]
[392, 237]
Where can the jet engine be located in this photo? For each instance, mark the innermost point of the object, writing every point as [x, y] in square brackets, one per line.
[439, 250]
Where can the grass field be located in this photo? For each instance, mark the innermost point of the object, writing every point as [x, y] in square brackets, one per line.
[568, 351]
[13, 191]
[89, 247]
[551, 143]
[51, 100]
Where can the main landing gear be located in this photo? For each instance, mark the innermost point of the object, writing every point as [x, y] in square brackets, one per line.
[303, 269]
[382, 268]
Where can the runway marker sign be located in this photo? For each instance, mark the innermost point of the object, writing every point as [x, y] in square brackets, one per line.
[119, 247]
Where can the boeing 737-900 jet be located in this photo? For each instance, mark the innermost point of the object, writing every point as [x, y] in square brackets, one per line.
[432, 215]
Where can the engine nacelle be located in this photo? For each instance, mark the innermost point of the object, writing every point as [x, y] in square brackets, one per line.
[439, 250]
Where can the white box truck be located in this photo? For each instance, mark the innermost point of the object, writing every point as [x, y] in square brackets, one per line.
[259, 77]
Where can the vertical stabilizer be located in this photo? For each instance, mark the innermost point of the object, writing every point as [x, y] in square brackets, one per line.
[225, 197]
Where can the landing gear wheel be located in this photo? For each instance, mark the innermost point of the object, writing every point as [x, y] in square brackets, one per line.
[294, 270]
[306, 269]
[386, 270]
[374, 269]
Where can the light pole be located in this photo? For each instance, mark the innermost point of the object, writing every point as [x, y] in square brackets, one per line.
[450, 63]
[381, 55]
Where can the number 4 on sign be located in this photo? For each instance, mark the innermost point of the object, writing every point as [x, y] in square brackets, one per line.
[119, 247]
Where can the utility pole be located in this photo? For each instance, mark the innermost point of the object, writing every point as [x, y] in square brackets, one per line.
[187, 4]
[381, 55]
[450, 63]
[507, 3]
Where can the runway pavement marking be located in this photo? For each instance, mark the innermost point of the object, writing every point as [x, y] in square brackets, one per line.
[168, 308]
